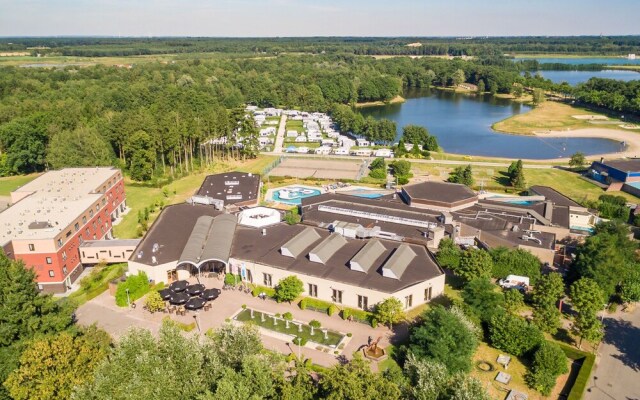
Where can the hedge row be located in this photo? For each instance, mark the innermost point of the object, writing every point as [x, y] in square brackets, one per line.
[588, 360]
[310, 303]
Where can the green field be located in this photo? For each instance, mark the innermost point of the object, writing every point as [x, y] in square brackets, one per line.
[10, 183]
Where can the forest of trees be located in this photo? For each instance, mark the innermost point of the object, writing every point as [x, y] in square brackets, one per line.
[100, 47]
[156, 119]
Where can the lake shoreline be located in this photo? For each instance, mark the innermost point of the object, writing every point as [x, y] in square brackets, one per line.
[396, 100]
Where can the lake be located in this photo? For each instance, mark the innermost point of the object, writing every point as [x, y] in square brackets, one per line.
[575, 77]
[585, 60]
[462, 124]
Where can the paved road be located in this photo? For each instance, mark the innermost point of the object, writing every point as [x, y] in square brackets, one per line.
[617, 374]
[277, 148]
[440, 162]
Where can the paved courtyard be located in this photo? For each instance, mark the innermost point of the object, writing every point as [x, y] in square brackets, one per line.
[617, 374]
[117, 321]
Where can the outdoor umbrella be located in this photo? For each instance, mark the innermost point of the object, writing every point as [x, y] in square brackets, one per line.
[179, 286]
[210, 294]
[165, 294]
[194, 303]
[195, 289]
[179, 298]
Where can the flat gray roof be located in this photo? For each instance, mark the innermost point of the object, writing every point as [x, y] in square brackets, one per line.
[628, 165]
[443, 192]
[110, 243]
[231, 187]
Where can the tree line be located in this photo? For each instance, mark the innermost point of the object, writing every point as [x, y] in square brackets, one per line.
[473, 46]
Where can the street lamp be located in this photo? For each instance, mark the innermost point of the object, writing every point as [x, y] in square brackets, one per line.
[128, 299]
[197, 322]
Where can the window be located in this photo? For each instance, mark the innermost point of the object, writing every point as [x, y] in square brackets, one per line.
[40, 287]
[87, 231]
[408, 301]
[267, 279]
[313, 290]
[90, 213]
[99, 220]
[77, 227]
[49, 261]
[64, 255]
[84, 219]
[104, 201]
[427, 293]
[363, 302]
[97, 207]
[32, 247]
[68, 234]
[59, 242]
[337, 296]
[80, 240]
[51, 273]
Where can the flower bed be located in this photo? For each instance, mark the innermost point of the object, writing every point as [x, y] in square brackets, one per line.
[332, 338]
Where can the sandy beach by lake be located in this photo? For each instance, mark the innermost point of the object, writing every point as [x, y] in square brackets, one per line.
[631, 139]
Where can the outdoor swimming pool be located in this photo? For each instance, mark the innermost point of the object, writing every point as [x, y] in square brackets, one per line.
[518, 202]
[369, 195]
[294, 194]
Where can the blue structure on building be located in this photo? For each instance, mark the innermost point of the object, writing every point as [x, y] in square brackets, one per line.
[607, 172]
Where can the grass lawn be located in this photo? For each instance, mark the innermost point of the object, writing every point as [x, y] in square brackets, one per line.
[550, 115]
[295, 125]
[10, 183]
[494, 179]
[333, 338]
[139, 197]
[97, 282]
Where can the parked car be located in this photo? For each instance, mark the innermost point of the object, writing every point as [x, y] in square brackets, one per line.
[515, 282]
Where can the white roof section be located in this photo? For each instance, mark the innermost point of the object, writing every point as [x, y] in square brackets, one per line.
[398, 262]
[296, 246]
[52, 202]
[259, 217]
[327, 248]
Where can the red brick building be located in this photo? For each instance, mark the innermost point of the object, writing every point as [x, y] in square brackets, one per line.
[52, 215]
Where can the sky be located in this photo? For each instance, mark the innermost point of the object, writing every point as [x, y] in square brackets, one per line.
[242, 18]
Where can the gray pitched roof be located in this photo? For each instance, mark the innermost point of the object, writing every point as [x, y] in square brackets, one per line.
[398, 262]
[300, 242]
[218, 245]
[327, 248]
[367, 256]
[210, 239]
[193, 249]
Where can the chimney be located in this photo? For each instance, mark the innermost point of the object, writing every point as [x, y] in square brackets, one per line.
[601, 159]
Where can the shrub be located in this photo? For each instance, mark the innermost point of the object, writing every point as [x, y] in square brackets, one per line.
[300, 341]
[378, 173]
[231, 279]
[244, 306]
[289, 288]
[303, 304]
[332, 309]
[346, 313]
[315, 323]
[374, 323]
[270, 292]
[138, 286]
[549, 361]
[288, 316]
[513, 334]
[154, 302]
[349, 334]
[389, 311]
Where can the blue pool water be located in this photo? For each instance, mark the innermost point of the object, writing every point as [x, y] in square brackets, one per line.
[518, 202]
[580, 228]
[295, 195]
[521, 202]
[634, 184]
[369, 195]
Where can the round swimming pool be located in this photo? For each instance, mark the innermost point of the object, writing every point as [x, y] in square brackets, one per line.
[293, 194]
